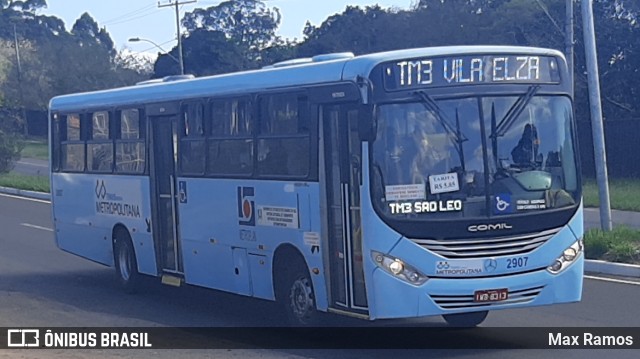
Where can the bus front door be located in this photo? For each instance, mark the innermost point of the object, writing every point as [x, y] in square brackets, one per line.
[163, 193]
[342, 176]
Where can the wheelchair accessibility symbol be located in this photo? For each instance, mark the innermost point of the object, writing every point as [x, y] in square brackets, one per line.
[503, 204]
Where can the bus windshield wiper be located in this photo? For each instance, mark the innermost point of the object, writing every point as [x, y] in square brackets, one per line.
[431, 105]
[512, 114]
[455, 134]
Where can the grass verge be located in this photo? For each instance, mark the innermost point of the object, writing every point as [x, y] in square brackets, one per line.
[622, 244]
[30, 183]
[35, 149]
[624, 194]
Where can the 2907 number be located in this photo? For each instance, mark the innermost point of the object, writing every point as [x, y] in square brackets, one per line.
[519, 262]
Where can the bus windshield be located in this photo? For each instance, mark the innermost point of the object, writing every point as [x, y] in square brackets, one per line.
[474, 157]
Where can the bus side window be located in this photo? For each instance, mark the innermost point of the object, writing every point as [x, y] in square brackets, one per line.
[130, 146]
[72, 147]
[192, 141]
[230, 144]
[100, 145]
[283, 142]
[56, 138]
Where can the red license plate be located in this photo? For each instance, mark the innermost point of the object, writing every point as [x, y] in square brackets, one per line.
[491, 295]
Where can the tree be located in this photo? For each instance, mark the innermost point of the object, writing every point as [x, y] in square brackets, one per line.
[11, 143]
[22, 15]
[281, 50]
[249, 24]
[86, 32]
[6, 65]
[205, 53]
[53, 61]
[357, 30]
[501, 22]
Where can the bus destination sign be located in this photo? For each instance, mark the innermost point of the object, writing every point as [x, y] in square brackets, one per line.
[470, 70]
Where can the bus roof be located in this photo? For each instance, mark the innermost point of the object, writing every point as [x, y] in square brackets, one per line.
[305, 73]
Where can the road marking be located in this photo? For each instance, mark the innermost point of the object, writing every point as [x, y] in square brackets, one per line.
[25, 198]
[612, 280]
[36, 227]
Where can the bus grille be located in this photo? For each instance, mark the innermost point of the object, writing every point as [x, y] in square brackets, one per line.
[487, 247]
[466, 301]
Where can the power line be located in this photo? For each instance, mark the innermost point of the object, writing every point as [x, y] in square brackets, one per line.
[134, 18]
[129, 14]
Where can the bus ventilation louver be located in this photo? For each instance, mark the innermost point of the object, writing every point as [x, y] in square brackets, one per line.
[487, 247]
[520, 296]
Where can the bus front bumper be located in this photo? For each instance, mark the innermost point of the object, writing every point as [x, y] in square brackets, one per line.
[393, 298]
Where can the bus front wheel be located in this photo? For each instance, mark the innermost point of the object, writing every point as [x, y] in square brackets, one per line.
[465, 319]
[125, 262]
[296, 296]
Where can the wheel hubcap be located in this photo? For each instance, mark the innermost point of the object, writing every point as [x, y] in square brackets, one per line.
[301, 297]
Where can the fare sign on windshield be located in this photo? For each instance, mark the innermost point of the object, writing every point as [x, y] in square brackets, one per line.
[469, 70]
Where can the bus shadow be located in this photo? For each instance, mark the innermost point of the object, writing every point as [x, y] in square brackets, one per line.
[256, 323]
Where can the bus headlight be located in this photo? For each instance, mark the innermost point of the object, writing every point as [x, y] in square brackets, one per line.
[398, 268]
[568, 256]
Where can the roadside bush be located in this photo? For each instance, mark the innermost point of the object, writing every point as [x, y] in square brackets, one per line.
[596, 244]
[622, 244]
[623, 252]
[11, 141]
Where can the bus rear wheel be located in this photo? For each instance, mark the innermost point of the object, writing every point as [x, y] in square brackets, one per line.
[465, 320]
[125, 263]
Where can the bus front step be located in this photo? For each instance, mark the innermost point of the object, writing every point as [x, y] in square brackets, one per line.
[171, 280]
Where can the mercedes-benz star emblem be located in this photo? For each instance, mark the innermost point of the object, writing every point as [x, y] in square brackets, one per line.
[490, 265]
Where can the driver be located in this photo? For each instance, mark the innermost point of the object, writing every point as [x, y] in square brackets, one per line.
[526, 151]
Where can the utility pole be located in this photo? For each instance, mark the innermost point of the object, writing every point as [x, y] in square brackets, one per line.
[177, 3]
[596, 114]
[19, 67]
[569, 41]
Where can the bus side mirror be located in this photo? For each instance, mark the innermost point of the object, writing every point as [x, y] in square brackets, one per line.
[367, 123]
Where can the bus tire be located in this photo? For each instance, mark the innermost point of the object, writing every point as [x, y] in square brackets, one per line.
[125, 262]
[296, 296]
[465, 320]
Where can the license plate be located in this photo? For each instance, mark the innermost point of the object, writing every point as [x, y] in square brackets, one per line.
[491, 295]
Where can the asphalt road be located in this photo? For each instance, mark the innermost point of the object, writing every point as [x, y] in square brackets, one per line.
[32, 167]
[43, 286]
[619, 218]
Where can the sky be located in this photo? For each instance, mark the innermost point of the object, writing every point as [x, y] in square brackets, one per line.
[125, 19]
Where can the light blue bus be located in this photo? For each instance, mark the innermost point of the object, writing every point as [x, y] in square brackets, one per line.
[421, 182]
